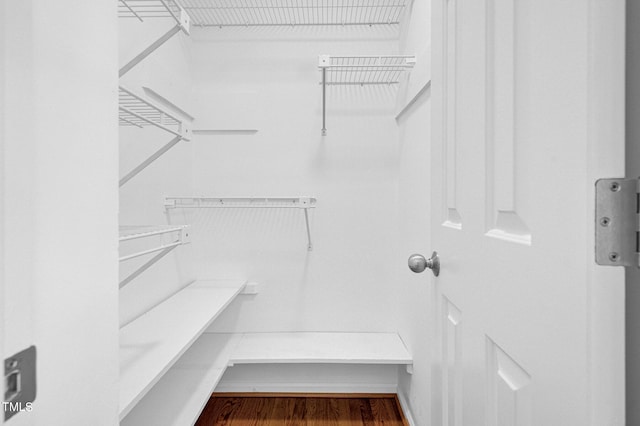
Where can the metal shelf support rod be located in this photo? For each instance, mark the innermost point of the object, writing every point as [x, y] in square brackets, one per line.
[147, 265]
[149, 50]
[149, 160]
[324, 101]
[306, 219]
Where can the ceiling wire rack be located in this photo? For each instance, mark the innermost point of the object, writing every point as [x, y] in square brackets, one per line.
[151, 9]
[135, 111]
[180, 234]
[199, 202]
[242, 13]
[358, 70]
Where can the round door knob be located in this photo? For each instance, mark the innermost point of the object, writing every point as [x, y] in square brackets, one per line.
[418, 263]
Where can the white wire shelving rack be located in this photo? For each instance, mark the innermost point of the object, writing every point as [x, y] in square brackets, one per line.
[177, 235]
[135, 111]
[303, 203]
[360, 71]
[151, 9]
[242, 13]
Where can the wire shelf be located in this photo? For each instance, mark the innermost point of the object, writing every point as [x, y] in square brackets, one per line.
[364, 70]
[138, 112]
[240, 202]
[141, 9]
[302, 203]
[240, 13]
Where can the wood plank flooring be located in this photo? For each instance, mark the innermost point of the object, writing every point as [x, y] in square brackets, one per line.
[302, 410]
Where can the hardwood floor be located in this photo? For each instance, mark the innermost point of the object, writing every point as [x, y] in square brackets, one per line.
[302, 410]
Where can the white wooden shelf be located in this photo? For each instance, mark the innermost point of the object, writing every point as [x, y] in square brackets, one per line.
[179, 397]
[240, 13]
[325, 348]
[151, 344]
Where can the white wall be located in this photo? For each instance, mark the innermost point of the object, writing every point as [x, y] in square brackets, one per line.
[167, 72]
[59, 164]
[633, 170]
[2, 172]
[267, 79]
[416, 291]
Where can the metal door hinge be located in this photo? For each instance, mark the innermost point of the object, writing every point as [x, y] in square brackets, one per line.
[618, 222]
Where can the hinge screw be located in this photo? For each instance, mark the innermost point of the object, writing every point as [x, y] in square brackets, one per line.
[614, 256]
[605, 221]
[614, 187]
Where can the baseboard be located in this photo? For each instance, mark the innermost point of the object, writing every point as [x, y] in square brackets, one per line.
[310, 378]
[406, 409]
[359, 388]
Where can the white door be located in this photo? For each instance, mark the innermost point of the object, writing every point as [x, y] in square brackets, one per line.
[528, 111]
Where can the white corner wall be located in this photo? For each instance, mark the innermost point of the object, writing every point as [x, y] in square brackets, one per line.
[60, 196]
[267, 79]
[167, 72]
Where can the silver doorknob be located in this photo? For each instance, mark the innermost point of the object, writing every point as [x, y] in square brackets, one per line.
[417, 263]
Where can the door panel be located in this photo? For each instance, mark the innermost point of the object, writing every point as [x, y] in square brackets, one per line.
[450, 158]
[517, 107]
[508, 389]
[504, 218]
[451, 364]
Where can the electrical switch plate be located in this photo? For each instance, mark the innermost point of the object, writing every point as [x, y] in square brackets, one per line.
[19, 382]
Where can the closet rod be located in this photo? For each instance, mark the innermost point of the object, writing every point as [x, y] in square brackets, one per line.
[153, 157]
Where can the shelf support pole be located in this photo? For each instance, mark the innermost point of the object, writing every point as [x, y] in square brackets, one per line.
[146, 266]
[149, 50]
[324, 102]
[306, 219]
[149, 160]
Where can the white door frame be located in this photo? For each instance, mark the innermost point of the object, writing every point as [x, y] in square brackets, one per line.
[606, 132]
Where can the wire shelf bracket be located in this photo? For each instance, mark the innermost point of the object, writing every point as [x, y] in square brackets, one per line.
[360, 71]
[240, 13]
[128, 233]
[143, 9]
[136, 111]
[303, 203]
